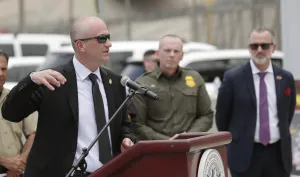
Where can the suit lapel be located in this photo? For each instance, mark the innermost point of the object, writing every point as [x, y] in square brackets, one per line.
[108, 87]
[249, 81]
[277, 78]
[72, 89]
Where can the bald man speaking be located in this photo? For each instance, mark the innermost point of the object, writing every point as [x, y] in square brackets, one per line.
[74, 102]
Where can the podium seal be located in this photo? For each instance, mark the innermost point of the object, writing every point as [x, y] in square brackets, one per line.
[211, 164]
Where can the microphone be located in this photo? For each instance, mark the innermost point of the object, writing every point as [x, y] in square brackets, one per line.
[125, 81]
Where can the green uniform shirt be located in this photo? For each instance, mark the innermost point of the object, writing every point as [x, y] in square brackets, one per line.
[183, 106]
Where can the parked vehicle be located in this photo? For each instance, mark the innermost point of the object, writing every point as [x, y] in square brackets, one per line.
[119, 53]
[31, 45]
[210, 64]
[19, 68]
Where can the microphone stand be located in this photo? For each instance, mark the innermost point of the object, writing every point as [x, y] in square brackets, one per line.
[85, 151]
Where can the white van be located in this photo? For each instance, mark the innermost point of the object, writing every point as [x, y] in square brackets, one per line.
[134, 66]
[19, 68]
[31, 45]
[187, 48]
[119, 53]
[7, 44]
[38, 44]
[212, 65]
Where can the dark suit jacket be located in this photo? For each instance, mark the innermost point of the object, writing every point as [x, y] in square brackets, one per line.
[55, 143]
[236, 113]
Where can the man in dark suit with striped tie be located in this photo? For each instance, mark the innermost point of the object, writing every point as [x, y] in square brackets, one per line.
[256, 105]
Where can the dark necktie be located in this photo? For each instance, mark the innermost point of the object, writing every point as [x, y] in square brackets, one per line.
[103, 141]
[264, 125]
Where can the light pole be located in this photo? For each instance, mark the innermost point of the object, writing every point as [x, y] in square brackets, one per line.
[128, 19]
[21, 16]
[194, 20]
[209, 20]
[71, 4]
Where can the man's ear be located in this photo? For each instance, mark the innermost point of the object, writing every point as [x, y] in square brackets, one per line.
[274, 48]
[157, 54]
[182, 54]
[80, 45]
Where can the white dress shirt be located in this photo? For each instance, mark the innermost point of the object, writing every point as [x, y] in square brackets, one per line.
[87, 127]
[272, 102]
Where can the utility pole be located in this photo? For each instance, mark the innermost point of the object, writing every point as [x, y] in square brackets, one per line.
[254, 11]
[128, 19]
[209, 20]
[21, 16]
[194, 20]
[71, 9]
[99, 7]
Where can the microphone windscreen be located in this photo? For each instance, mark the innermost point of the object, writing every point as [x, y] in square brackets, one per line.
[124, 80]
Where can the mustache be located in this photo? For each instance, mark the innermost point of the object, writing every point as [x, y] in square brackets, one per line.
[260, 54]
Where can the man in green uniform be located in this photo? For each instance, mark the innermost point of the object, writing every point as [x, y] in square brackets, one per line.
[183, 105]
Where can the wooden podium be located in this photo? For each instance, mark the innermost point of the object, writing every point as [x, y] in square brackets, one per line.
[179, 157]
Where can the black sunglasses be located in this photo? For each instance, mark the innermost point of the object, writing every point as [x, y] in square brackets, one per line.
[101, 38]
[263, 46]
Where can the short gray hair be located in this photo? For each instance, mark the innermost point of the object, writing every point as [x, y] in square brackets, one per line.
[263, 29]
[78, 27]
[171, 36]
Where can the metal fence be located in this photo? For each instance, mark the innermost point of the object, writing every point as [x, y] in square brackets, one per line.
[224, 23]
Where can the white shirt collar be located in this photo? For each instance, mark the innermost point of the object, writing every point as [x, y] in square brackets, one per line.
[82, 71]
[255, 70]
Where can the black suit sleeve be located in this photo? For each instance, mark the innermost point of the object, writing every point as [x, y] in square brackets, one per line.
[293, 99]
[224, 103]
[22, 100]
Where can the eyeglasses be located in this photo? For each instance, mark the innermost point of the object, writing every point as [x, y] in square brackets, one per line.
[101, 38]
[264, 46]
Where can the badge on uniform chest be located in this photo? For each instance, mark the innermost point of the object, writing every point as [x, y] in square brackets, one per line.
[189, 81]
